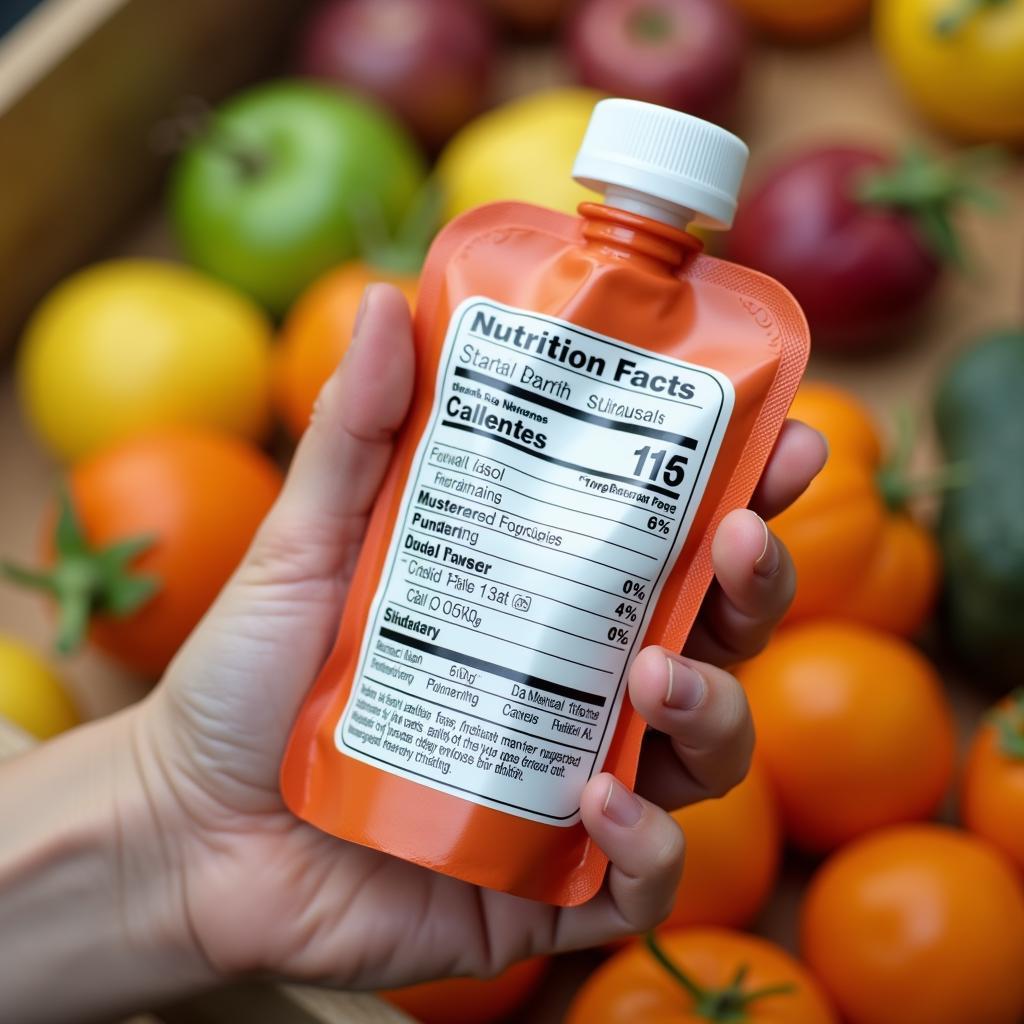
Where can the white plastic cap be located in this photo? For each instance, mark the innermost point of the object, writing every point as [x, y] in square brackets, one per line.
[662, 163]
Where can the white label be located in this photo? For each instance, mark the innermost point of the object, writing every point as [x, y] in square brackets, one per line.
[551, 492]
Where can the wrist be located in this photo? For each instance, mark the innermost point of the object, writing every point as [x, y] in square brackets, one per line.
[91, 881]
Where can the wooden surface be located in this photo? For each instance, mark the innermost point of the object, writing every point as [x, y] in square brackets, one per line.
[84, 84]
[837, 93]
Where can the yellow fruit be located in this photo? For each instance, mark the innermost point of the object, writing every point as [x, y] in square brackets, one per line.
[523, 150]
[31, 696]
[131, 344]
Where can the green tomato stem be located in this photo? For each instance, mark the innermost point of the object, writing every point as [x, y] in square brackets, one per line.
[728, 1005]
[87, 579]
[954, 19]
[1009, 725]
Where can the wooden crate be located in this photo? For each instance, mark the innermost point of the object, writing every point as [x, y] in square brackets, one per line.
[83, 82]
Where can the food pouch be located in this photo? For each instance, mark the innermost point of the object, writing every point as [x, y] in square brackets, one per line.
[593, 394]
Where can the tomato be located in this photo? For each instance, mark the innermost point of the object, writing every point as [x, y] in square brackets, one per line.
[804, 20]
[992, 799]
[128, 345]
[853, 730]
[521, 150]
[918, 925]
[317, 333]
[858, 237]
[858, 553]
[732, 855]
[704, 974]
[470, 1000]
[150, 531]
[960, 61]
[31, 695]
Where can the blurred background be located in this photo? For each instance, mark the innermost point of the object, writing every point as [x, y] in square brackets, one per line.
[192, 199]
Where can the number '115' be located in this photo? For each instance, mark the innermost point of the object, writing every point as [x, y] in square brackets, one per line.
[653, 465]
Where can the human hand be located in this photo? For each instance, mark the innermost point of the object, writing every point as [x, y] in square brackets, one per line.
[251, 888]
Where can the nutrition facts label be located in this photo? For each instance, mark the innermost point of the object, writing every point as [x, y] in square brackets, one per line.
[552, 490]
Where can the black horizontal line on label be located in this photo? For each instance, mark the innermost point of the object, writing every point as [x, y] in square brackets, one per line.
[567, 410]
[558, 689]
[559, 462]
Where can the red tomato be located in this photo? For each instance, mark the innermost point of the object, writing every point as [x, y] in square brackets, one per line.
[470, 1000]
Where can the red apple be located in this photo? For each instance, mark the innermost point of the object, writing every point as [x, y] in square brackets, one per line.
[687, 54]
[428, 60]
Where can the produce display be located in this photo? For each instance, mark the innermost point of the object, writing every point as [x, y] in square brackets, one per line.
[168, 394]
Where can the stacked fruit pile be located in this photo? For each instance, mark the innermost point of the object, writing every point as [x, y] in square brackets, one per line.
[157, 385]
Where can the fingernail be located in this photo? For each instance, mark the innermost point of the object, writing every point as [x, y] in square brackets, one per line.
[828, 447]
[361, 311]
[767, 563]
[684, 687]
[621, 806]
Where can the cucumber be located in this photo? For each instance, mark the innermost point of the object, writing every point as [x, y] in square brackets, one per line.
[979, 412]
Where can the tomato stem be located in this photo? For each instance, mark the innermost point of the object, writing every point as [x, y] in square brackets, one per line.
[929, 191]
[404, 251]
[85, 579]
[954, 19]
[650, 25]
[728, 1005]
[1009, 725]
[895, 483]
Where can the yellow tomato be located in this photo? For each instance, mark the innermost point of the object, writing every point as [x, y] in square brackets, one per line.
[961, 61]
[132, 344]
[522, 150]
[31, 695]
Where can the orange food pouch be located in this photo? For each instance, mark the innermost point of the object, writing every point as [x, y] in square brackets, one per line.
[593, 395]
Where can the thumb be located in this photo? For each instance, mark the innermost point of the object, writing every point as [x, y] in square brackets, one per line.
[317, 523]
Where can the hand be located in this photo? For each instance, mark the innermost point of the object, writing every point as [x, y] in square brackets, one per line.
[254, 889]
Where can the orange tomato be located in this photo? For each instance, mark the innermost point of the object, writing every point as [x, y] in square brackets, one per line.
[853, 730]
[992, 799]
[316, 335]
[804, 20]
[193, 499]
[732, 855]
[470, 1000]
[743, 972]
[918, 925]
[855, 557]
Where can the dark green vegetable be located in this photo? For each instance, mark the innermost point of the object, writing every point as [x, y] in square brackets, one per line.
[979, 412]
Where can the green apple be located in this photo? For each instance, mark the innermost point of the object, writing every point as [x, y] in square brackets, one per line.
[288, 179]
